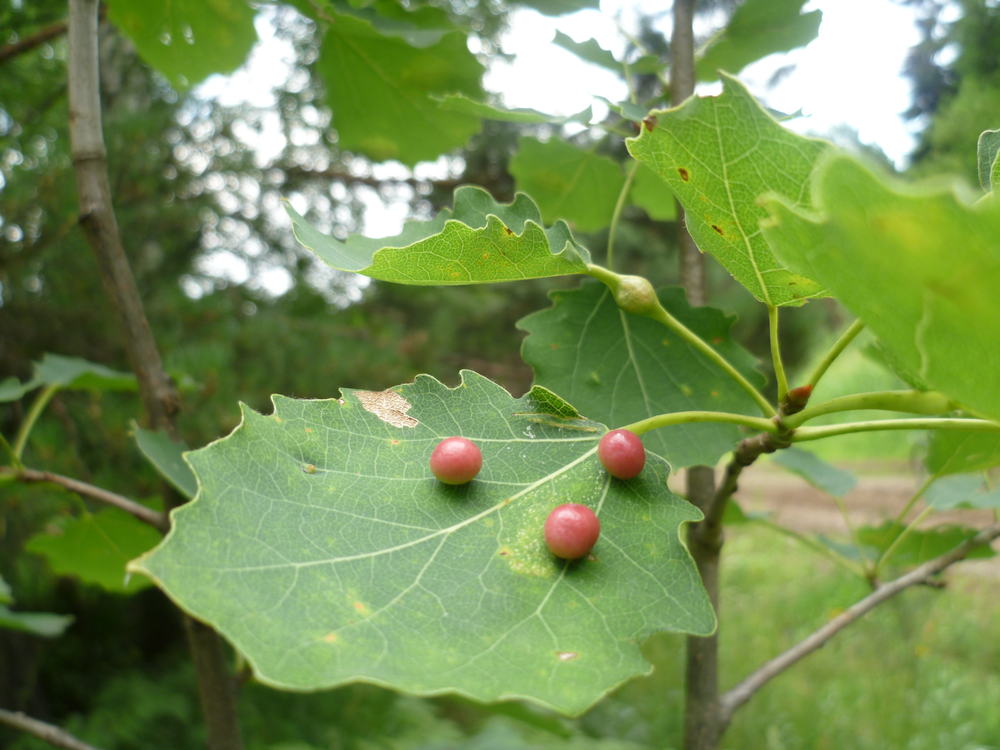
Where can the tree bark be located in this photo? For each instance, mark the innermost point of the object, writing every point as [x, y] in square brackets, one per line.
[159, 396]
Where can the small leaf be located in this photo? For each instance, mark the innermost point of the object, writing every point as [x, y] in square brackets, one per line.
[821, 475]
[95, 548]
[70, 373]
[43, 624]
[570, 183]
[877, 245]
[619, 368]
[481, 241]
[559, 7]
[988, 152]
[719, 155]
[187, 40]
[322, 547]
[626, 110]
[957, 451]
[466, 105]
[756, 29]
[168, 459]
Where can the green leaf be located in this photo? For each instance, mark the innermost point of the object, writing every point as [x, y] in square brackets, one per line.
[559, 7]
[618, 368]
[187, 40]
[322, 547]
[956, 451]
[879, 247]
[626, 110]
[821, 475]
[95, 548]
[591, 51]
[168, 459]
[920, 545]
[43, 624]
[988, 150]
[653, 195]
[719, 155]
[569, 183]
[5, 595]
[480, 241]
[757, 28]
[379, 88]
[67, 372]
[465, 105]
[953, 491]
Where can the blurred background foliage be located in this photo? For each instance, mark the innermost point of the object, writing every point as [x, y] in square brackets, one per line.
[240, 312]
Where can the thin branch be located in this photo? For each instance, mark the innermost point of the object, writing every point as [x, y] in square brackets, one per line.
[146, 515]
[778, 363]
[911, 401]
[42, 730]
[690, 417]
[849, 428]
[40, 37]
[745, 690]
[838, 346]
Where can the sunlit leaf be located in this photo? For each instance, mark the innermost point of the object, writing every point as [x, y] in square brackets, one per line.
[323, 548]
[719, 155]
[477, 242]
[988, 151]
[756, 29]
[380, 89]
[918, 265]
[577, 185]
[618, 368]
[187, 40]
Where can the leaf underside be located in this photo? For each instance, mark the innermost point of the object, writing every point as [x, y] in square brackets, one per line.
[322, 547]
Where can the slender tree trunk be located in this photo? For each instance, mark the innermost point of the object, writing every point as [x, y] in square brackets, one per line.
[702, 716]
[160, 399]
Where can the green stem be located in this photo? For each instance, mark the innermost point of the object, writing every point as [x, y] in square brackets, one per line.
[616, 215]
[815, 546]
[855, 539]
[901, 516]
[37, 407]
[15, 460]
[659, 313]
[779, 365]
[838, 346]
[689, 417]
[902, 535]
[815, 433]
[914, 402]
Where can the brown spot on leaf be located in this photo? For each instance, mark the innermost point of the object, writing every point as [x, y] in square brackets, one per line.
[309, 468]
[503, 551]
[718, 229]
[388, 406]
[649, 123]
[508, 230]
[685, 175]
[330, 638]
[362, 609]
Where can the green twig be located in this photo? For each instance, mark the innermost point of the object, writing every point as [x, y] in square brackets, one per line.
[914, 402]
[616, 215]
[689, 417]
[15, 460]
[838, 346]
[901, 516]
[776, 361]
[815, 433]
[855, 539]
[659, 313]
[36, 409]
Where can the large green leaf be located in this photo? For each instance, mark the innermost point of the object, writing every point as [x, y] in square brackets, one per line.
[322, 547]
[757, 28]
[187, 40]
[380, 90]
[719, 155]
[919, 266]
[480, 241]
[95, 548]
[619, 368]
[570, 183]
